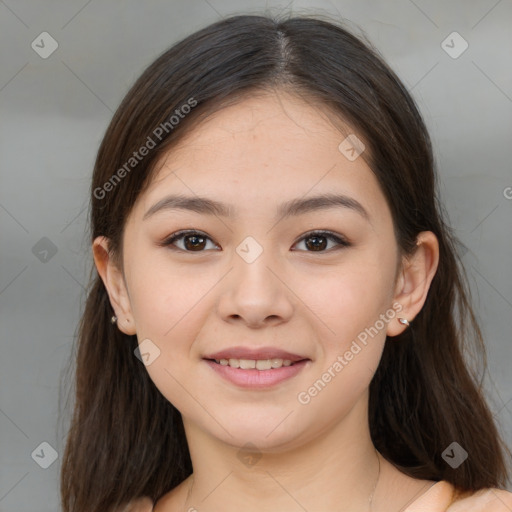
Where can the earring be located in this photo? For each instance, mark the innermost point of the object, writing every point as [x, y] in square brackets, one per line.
[113, 320]
[404, 321]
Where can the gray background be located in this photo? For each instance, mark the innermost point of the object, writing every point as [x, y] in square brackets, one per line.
[54, 112]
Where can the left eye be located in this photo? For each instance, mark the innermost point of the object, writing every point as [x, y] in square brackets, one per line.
[195, 241]
[317, 241]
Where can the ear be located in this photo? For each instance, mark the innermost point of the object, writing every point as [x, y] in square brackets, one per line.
[414, 280]
[114, 282]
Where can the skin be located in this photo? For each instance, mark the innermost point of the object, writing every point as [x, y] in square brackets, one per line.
[253, 156]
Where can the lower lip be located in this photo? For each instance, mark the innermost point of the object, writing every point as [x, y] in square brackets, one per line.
[258, 379]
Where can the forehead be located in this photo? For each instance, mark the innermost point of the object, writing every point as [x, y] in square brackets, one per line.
[265, 148]
[260, 117]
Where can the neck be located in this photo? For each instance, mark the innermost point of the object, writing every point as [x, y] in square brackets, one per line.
[337, 470]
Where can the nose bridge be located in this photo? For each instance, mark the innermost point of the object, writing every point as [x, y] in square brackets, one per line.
[253, 292]
[252, 276]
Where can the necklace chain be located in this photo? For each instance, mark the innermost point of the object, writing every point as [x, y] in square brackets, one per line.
[376, 483]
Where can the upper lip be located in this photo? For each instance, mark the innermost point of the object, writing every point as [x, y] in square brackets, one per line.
[260, 353]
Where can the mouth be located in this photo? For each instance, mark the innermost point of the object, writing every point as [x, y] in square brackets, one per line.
[242, 354]
[258, 368]
[256, 364]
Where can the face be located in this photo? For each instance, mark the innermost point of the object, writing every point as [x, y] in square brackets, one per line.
[270, 276]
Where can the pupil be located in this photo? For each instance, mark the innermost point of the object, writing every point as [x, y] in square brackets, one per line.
[316, 244]
[197, 242]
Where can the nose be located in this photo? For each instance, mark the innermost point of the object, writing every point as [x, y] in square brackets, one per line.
[256, 294]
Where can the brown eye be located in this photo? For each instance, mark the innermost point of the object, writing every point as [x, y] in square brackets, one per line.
[194, 242]
[318, 241]
[190, 241]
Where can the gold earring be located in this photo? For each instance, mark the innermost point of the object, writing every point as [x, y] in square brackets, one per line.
[404, 321]
[113, 320]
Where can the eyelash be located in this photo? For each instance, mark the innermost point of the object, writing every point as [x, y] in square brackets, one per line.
[169, 241]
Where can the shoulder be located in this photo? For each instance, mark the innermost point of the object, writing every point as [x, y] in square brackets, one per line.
[485, 500]
[175, 499]
[443, 497]
[139, 505]
[171, 501]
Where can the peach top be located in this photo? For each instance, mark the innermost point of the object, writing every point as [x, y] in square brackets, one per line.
[441, 498]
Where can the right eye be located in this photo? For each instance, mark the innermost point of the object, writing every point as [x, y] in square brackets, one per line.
[192, 241]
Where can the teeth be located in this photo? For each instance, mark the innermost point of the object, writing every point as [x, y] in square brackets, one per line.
[250, 364]
[264, 365]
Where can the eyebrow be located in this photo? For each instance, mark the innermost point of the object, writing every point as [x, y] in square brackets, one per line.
[290, 208]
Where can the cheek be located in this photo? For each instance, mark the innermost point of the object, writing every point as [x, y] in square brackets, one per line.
[351, 297]
[354, 304]
[164, 295]
[168, 307]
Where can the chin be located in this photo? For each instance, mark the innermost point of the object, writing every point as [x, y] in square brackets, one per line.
[269, 433]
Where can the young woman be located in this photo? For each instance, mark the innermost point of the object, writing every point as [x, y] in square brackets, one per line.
[278, 320]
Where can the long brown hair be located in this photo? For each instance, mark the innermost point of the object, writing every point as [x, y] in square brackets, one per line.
[125, 439]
